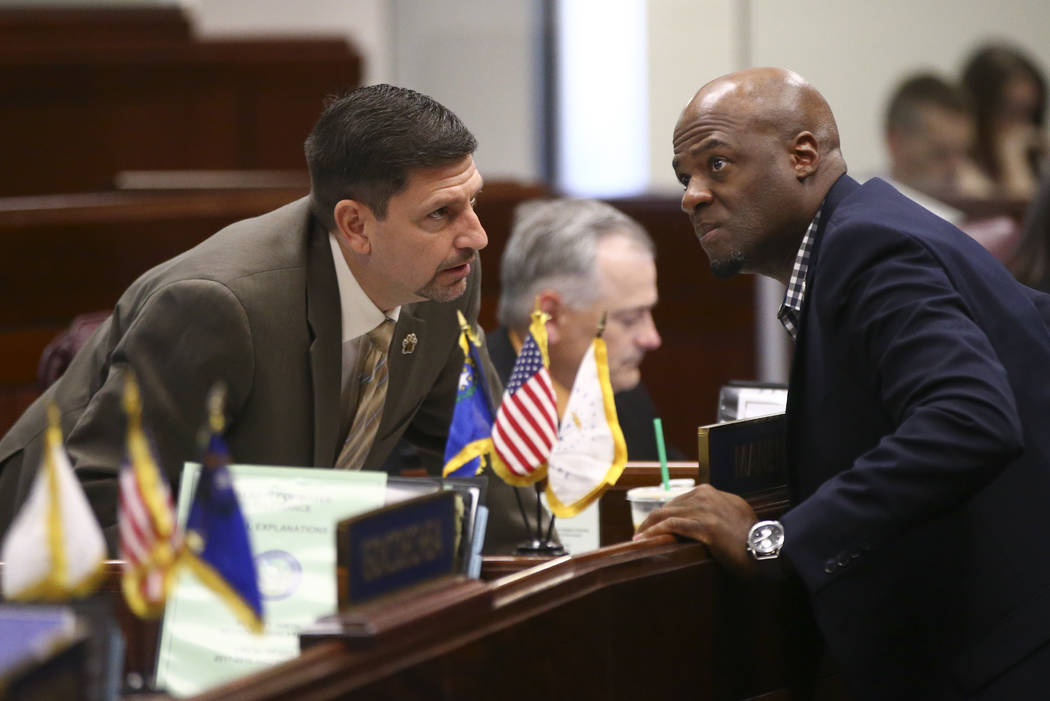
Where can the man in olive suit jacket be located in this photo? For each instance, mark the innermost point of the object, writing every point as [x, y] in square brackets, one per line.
[279, 307]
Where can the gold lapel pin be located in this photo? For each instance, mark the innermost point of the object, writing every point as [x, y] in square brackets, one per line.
[408, 344]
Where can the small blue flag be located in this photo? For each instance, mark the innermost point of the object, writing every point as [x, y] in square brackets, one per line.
[218, 549]
[469, 434]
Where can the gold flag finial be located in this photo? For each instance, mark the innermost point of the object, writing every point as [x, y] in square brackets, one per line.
[54, 420]
[467, 333]
[538, 315]
[217, 407]
[53, 435]
[132, 400]
[146, 471]
[538, 329]
[54, 417]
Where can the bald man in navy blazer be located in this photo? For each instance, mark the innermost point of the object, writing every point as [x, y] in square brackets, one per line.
[918, 413]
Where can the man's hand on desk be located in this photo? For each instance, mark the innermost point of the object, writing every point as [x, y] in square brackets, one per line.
[719, 520]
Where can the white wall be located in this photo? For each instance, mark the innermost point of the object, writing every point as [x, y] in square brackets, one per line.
[364, 23]
[481, 60]
[687, 41]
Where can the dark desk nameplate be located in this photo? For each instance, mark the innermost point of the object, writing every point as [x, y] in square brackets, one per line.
[398, 547]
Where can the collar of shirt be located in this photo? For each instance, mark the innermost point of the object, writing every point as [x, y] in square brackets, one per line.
[790, 313]
[359, 314]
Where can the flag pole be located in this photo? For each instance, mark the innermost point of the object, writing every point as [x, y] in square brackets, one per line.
[521, 508]
[550, 530]
[539, 512]
[540, 545]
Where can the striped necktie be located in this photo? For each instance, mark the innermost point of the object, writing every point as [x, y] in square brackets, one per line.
[371, 395]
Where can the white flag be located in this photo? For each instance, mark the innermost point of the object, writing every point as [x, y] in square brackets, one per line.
[54, 548]
[590, 453]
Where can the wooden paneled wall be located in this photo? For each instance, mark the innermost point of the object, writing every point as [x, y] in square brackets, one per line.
[87, 93]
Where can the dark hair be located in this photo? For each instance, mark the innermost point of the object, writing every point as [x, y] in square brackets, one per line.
[921, 90]
[366, 143]
[986, 75]
[1030, 263]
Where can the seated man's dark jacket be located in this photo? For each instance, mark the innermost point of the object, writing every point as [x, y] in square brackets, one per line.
[634, 407]
[919, 452]
[257, 306]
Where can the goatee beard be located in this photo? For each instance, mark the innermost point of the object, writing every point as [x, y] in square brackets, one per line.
[727, 268]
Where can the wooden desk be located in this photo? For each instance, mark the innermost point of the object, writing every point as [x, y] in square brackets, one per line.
[652, 619]
[656, 617]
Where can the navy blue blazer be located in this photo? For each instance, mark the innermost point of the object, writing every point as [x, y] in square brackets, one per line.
[919, 451]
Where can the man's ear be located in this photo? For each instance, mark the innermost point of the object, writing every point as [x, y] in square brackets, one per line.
[550, 303]
[805, 155]
[353, 221]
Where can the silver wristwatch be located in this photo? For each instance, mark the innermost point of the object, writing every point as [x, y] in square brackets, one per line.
[765, 539]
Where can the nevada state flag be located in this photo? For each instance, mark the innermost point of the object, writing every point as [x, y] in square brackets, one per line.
[469, 436]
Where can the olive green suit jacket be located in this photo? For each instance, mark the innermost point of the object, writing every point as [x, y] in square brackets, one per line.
[256, 306]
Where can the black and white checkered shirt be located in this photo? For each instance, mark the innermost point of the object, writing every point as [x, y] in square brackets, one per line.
[790, 313]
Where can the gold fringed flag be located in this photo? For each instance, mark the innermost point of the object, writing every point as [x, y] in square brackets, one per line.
[54, 549]
[217, 546]
[469, 435]
[590, 453]
[526, 424]
[149, 541]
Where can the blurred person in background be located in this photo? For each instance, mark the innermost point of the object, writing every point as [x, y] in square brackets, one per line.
[578, 259]
[1009, 99]
[929, 136]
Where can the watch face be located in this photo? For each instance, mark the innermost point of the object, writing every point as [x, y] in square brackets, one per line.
[766, 538]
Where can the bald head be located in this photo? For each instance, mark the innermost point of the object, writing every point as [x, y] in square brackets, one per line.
[757, 151]
[772, 100]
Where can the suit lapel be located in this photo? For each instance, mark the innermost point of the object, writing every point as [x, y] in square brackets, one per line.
[795, 410]
[323, 315]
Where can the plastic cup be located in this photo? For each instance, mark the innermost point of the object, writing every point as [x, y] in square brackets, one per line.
[644, 500]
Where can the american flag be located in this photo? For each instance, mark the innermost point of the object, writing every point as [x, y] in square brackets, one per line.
[149, 540]
[526, 424]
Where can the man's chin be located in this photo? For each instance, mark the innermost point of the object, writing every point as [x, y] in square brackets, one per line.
[725, 269]
[624, 380]
[435, 292]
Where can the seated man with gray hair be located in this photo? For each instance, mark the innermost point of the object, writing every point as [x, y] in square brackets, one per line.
[578, 259]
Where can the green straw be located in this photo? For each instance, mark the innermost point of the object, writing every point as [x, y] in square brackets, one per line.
[658, 426]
